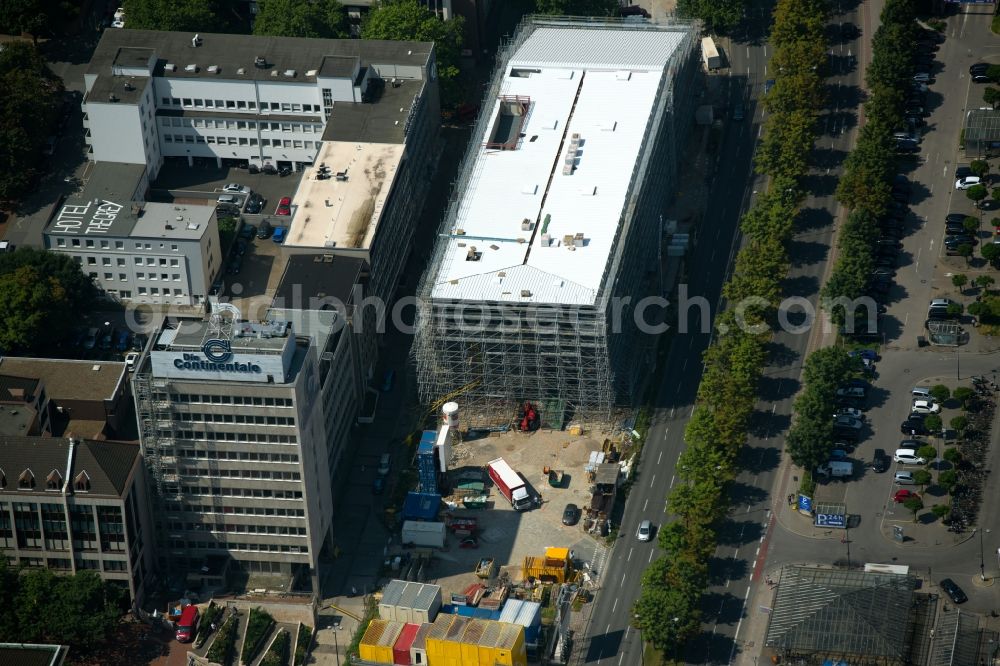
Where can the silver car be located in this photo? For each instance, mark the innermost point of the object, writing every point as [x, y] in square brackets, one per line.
[645, 531]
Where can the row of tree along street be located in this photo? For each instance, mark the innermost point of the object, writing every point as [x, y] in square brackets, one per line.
[667, 610]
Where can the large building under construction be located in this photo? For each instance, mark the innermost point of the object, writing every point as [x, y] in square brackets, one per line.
[553, 230]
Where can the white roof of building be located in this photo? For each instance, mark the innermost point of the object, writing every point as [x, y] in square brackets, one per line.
[599, 85]
[344, 212]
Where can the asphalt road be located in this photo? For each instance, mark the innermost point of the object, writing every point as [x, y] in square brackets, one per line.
[611, 638]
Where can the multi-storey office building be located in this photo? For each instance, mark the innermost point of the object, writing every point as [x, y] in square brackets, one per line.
[72, 505]
[554, 221]
[136, 251]
[152, 95]
[236, 421]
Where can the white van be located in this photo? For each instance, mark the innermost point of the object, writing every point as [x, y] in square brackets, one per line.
[228, 199]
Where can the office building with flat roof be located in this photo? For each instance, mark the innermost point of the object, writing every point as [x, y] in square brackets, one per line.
[73, 505]
[242, 424]
[555, 218]
[137, 251]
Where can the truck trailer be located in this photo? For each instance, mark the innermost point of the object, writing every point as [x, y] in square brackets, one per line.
[510, 484]
[710, 54]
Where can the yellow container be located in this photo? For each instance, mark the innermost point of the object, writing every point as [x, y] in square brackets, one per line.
[376, 644]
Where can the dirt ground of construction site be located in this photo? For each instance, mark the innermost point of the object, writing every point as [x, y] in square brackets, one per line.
[509, 536]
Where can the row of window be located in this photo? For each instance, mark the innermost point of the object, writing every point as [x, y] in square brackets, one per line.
[282, 530]
[242, 492]
[240, 455]
[63, 563]
[193, 102]
[180, 544]
[226, 124]
[206, 473]
[248, 419]
[237, 510]
[246, 400]
[120, 245]
[240, 437]
[239, 141]
[152, 291]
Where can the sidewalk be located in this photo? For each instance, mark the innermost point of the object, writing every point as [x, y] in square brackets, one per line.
[336, 624]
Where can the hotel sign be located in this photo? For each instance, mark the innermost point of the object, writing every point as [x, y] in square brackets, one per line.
[216, 361]
[93, 217]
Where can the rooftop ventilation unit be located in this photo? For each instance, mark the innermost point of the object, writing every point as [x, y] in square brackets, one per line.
[112, 98]
[274, 73]
[213, 69]
[290, 73]
[241, 71]
[196, 41]
[191, 68]
[129, 86]
[525, 293]
[311, 72]
[170, 67]
[259, 61]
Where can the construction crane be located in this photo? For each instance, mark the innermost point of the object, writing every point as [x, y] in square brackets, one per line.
[437, 404]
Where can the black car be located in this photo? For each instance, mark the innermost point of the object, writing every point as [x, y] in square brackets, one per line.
[254, 206]
[953, 591]
[885, 262]
[913, 426]
[953, 229]
[960, 239]
[980, 78]
[880, 461]
[886, 250]
[956, 217]
[264, 230]
[979, 68]
[571, 514]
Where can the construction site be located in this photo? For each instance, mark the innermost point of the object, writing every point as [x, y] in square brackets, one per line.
[501, 518]
[555, 222]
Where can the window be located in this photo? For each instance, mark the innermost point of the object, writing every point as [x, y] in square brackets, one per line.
[199, 139]
[166, 101]
[230, 104]
[174, 263]
[105, 261]
[173, 247]
[142, 291]
[138, 260]
[61, 242]
[122, 277]
[90, 243]
[104, 245]
[82, 482]
[114, 565]
[174, 101]
[241, 104]
[109, 276]
[26, 481]
[140, 276]
[120, 245]
[186, 101]
[53, 481]
[209, 139]
[76, 242]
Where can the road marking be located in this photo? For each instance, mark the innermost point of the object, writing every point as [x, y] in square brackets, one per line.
[660, 457]
[672, 481]
[627, 559]
[916, 262]
[650, 556]
[685, 366]
[652, 481]
[645, 504]
[673, 408]
[623, 583]
[614, 606]
[748, 55]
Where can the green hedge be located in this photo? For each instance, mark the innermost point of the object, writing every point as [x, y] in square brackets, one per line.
[302, 645]
[221, 651]
[210, 616]
[277, 654]
[258, 627]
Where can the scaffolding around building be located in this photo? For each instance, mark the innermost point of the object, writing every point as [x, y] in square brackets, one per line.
[570, 361]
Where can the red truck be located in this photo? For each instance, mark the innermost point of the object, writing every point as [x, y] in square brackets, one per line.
[510, 484]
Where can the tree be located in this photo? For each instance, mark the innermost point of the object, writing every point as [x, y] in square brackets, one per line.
[940, 392]
[914, 504]
[718, 15]
[971, 225]
[965, 251]
[41, 295]
[991, 253]
[921, 477]
[948, 479]
[959, 423]
[959, 280]
[991, 96]
[927, 452]
[301, 18]
[952, 455]
[963, 394]
[976, 193]
[993, 71]
[995, 195]
[933, 424]
[173, 15]
[955, 310]
[28, 112]
[577, 7]
[409, 20]
[979, 167]
[28, 16]
[984, 282]
[940, 510]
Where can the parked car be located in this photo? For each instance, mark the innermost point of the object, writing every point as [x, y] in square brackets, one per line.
[279, 234]
[966, 182]
[853, 412]
[121, 342]
[981, 78]
[851, 392]
[925, 407]
[138, 342]
[106, 340]
[908, 457]
[384, 463]
[768, 85]
[645, 531]
[903, 494]
[284, 206]
[979, 68]
[838, 455]
[378, 485]
[903, 479]
[953, 591]
[880, 461]
[236, 188]
[254, 204]
[913, 426]
[130, 360]
[90, 340]
[846, 421]
[570, 514]
[264, 230]
[248, 231]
